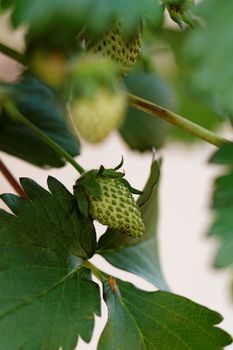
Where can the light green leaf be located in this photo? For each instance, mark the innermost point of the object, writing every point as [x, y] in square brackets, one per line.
[158, 321]
[139, 256]
[47, 298]
[210, 51]
[74, 14]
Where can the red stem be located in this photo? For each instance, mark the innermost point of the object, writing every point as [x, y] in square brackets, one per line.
[12, 181]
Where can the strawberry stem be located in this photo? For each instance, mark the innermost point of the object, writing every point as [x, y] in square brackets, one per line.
[12, 181]
[102, 276]
[17, 116]
[15, 55]
[177, 120]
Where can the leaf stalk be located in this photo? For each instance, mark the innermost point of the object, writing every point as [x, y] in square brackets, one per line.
[11, 179]
[175, 119]
[15, 55]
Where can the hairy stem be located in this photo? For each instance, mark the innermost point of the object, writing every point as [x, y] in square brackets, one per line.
[11, 179]
[15, 55]
[177, 120]
[16, 115]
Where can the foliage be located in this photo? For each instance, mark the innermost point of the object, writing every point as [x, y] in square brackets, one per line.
[188, 102]
[48, 298]
[212, 76]
[72, 15]
[161, 318]
[39, 103]
[222, 206]
[42, 276]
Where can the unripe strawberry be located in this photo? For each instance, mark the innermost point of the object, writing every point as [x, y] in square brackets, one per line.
[114, 45]
[110, 201]
[95, 116]
[116, 208]
[50, 66]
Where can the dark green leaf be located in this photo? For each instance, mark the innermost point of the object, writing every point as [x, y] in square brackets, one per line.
[210, 52]
[60, 226]
[47, 298]
[158, 320]
[224, 155]
[139, 256]
[41, 106]
[82, 201]
[139, 130]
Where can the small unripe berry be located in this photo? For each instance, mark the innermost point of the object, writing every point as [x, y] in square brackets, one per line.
[50, 66]
[116, 208]
[97, 115]
[114, 45]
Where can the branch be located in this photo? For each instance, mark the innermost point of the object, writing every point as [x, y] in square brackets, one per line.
[15, 55]
[12, 181]
[177, 120]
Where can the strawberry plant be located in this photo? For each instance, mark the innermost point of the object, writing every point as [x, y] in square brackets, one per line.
[89, 69]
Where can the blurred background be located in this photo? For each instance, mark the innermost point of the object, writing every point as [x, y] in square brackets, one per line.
[184, 198]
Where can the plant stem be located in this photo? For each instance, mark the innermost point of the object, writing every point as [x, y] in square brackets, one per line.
[17, 56]
[12, 181]
[177, 120]
[16, 115]
[102, 276]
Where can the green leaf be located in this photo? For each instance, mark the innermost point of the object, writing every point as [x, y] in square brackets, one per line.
[223, 205]
[60, 226]
[224, 155]
[139, 130]
[41, 106]
[138, 256]
[188, 104]
[47, 298]
[95, 15]
[210, 52]
[158, 320]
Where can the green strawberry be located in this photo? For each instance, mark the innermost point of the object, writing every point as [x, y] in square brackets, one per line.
[110, 201]
[95, 116]
[115, 46]
[50, 66]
